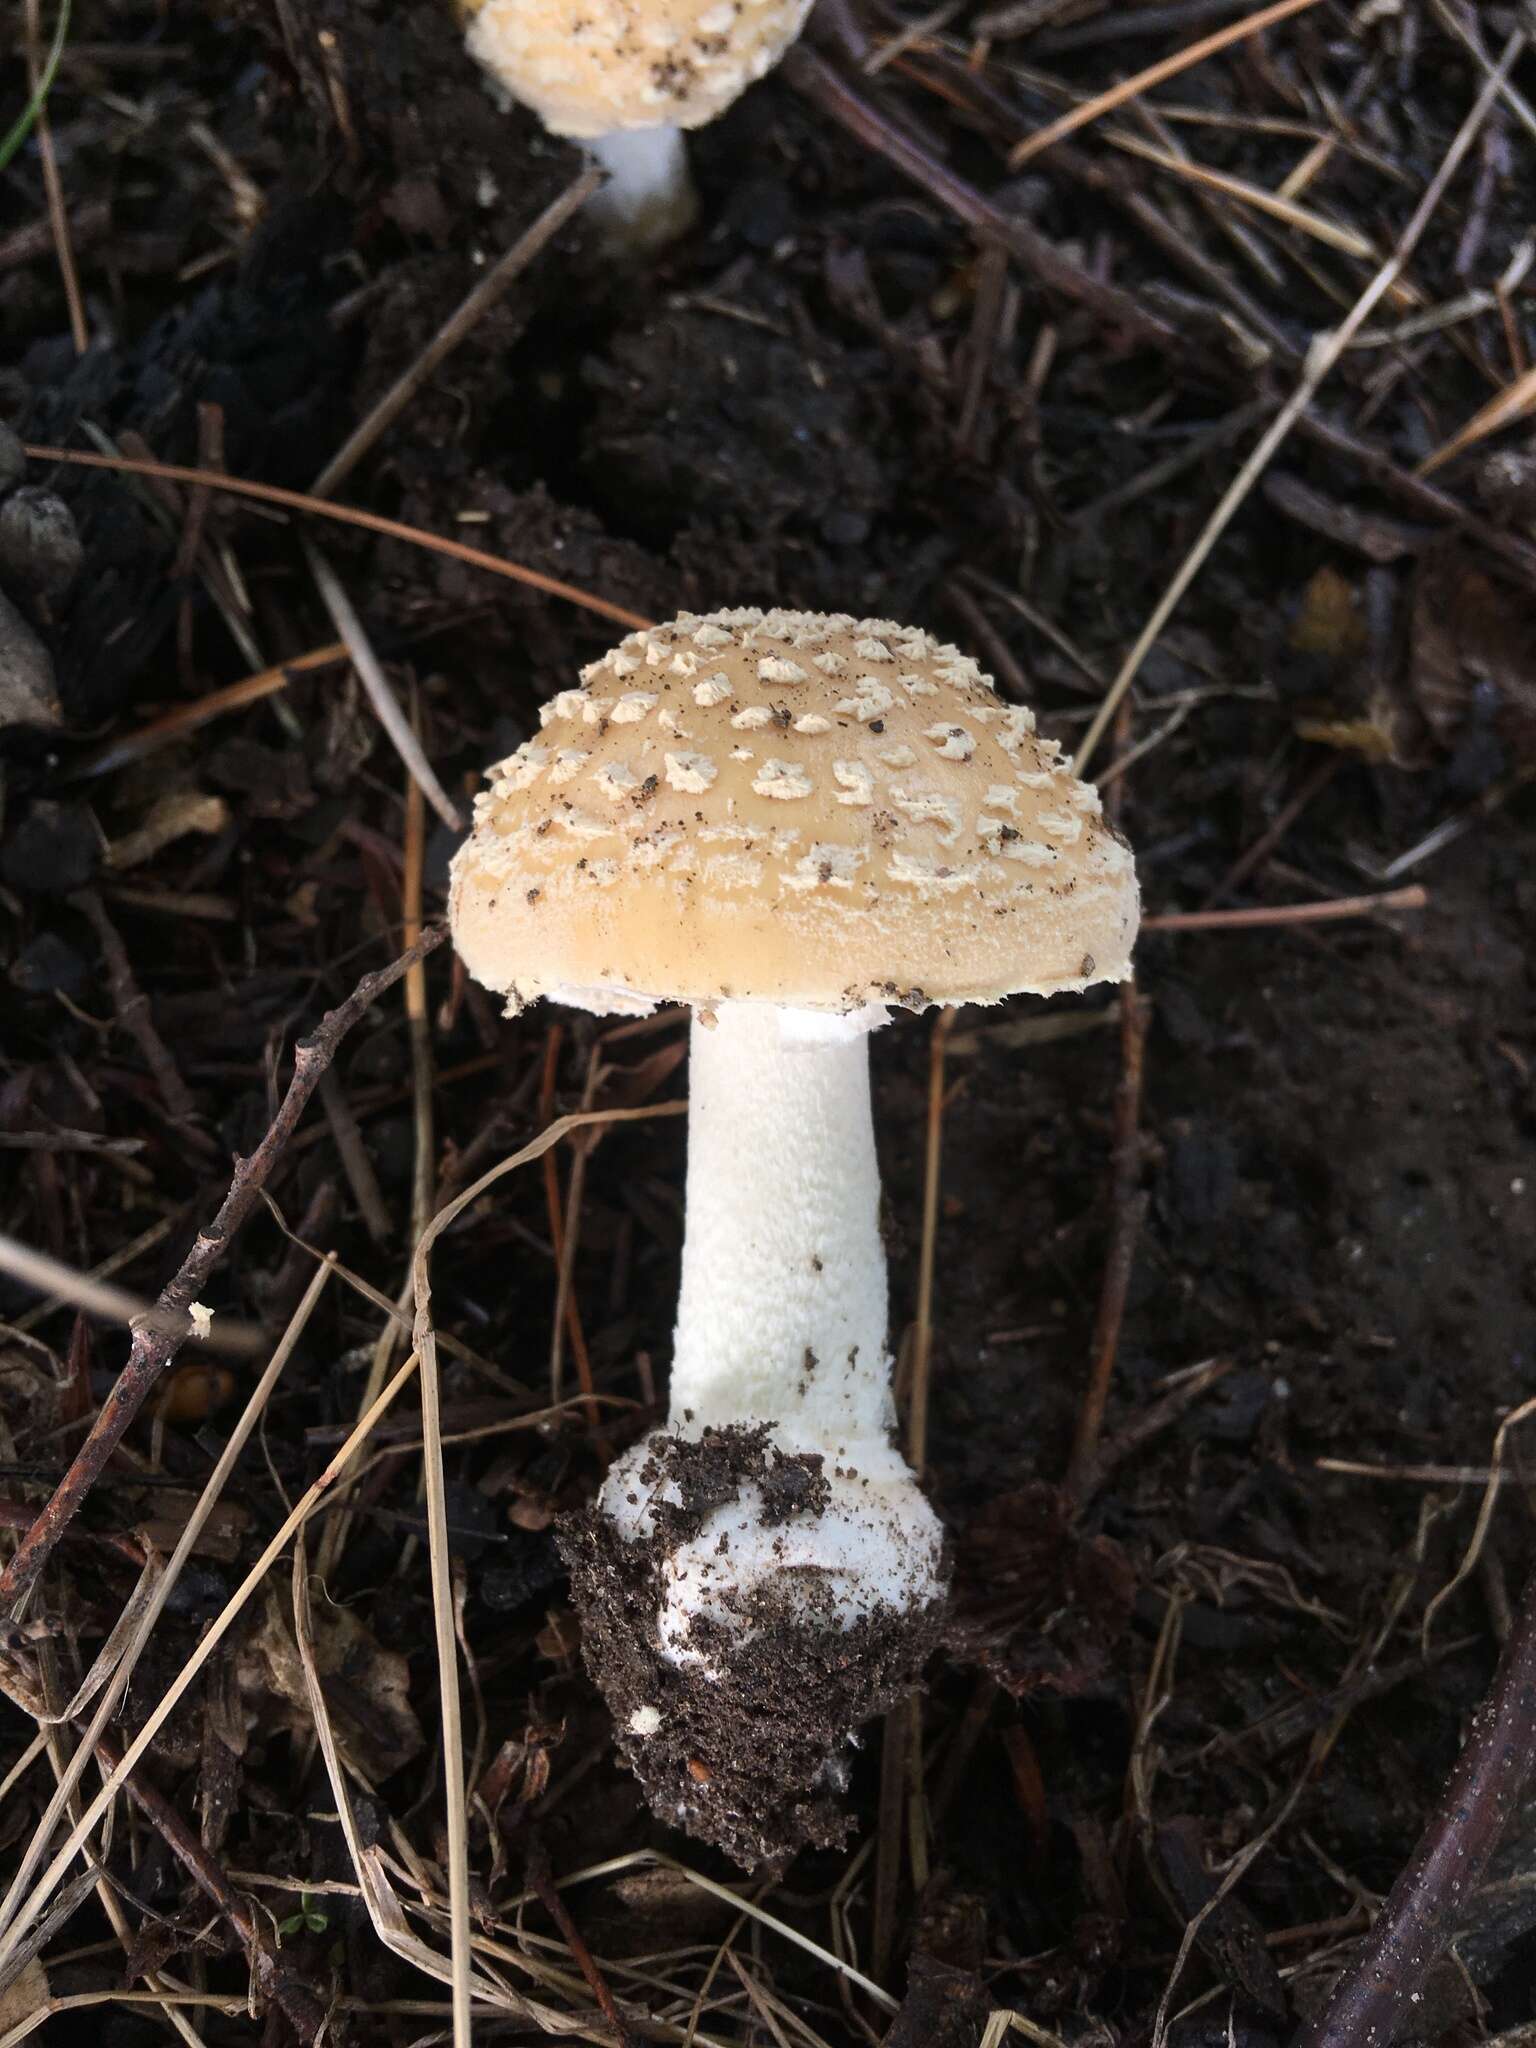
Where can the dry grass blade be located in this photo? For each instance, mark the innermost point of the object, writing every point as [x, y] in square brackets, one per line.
[63, 1911]
[437, 1528]
[63, 1284]
[1502, 410]
[922, 1333]
[186, 718]
[1128, 1205]
[653, 1859]
[107, 1659]
[1303, 218]
[459, 323]
[1154, 74]
[1003, 2023]
[1517, 103]
[1321, 357]
[53, 185]
[1485, 1510]
[146, 1612]
[37, 1902]
[345, 515]
[114, 1262]
[383, 699]
[384, 1907]
[151, 1352]
[451, 1731]
[86, 2001]
[110, 1904]
[22, 1765]
[82, 2001]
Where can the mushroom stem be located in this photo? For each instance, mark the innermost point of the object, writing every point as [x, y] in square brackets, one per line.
[782, 1314]
[762, 1579]
[649, 198]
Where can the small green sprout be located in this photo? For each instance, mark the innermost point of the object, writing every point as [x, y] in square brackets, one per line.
[309, 1918]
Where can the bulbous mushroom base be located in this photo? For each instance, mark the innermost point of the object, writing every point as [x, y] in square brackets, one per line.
[744, 1738]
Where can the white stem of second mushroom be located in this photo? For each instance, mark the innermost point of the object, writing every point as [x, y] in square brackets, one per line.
[782, 1314]
[649, 197]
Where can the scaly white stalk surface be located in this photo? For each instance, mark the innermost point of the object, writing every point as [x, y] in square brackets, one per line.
[782, 1319]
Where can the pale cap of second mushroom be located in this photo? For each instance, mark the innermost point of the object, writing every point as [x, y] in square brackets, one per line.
[588, 67]
[786, 807]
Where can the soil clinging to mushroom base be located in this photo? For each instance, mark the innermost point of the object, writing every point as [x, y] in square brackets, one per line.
[750, 1751]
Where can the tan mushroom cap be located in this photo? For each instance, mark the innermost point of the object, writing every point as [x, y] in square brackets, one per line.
[588, 67]
[788, 808]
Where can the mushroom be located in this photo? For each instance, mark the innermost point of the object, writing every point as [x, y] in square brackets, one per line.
[791, 823]
[626, 77]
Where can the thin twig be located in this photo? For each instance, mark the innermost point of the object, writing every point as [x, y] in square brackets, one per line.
[1385, 1977]
[133, 1013]
[1128, 1209]
[1255, 856]
[338, 1529]
[1143, 81]
[555, 1206]
[540, 1874]
[345, 515]
[272, 1974]
[1414, 897]
[144, 1616]
[153, 1349]
[1182, 1391]
[1120, 310]
[208, 1642]
[1321, 357]
[464, 318]
[418, 1023]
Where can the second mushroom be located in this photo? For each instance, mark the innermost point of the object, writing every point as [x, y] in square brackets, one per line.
[626, 78]
[793, 823]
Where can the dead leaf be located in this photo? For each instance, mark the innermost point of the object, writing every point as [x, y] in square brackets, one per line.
[1373, 737]
[1037, 1604]
[1473, 655]
[560, 1638]
[367, 1688]
[26, 1994]
[1328, 620]
[222, 1535]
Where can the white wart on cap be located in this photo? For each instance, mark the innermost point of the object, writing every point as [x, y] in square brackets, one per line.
[791, 808]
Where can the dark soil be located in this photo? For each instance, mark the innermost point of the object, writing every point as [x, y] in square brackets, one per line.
[831, 395]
